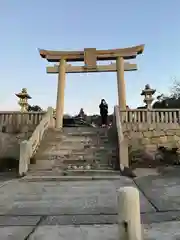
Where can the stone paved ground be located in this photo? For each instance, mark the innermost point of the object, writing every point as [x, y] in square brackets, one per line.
[86, 210]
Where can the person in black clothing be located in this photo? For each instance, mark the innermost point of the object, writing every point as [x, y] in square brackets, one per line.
[103, 112]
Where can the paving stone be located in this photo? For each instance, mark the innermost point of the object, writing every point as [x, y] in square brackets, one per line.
[15, 232]
[166, 188]
[79, 220]
[53, 198]
[155, 231]
[146, 218]
[158, 217]
[83, 204]
[19, 220]
[47, 209]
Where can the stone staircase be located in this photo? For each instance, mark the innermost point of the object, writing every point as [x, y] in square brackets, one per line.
[74, 151]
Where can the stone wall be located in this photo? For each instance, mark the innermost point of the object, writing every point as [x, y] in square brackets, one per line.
[144, 139]
[10, 149]
[17, 129]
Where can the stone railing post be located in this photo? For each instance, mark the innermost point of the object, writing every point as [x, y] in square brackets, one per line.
[52, 121]
[149, 120]
[178, 117]
[124, 153]
[122, 142]
[129, 219]
[24, 158]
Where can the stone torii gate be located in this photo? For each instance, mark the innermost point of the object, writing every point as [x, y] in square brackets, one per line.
[90, 56]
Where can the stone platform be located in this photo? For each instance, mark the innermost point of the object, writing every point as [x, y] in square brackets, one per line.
[86, 210]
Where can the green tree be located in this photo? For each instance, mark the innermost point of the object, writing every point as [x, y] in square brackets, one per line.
[172, 100]
[34, 108]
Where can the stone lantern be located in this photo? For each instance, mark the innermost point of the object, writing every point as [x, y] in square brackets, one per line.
[148, 93]
[23, 99]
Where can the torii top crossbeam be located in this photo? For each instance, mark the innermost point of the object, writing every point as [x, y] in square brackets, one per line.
[75, 56]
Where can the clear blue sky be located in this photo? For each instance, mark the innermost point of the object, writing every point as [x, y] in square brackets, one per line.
[75, 25]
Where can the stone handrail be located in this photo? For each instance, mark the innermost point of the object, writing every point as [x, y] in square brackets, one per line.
[122, 143]
[150, 116]
[29, 148]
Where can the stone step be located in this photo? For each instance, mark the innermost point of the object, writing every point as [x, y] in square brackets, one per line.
[74, 155]
[83, 166]
[72, 141]
[52, 172]
[90, 172]
[106, 164]
[79, 146]
[81, 128]
[77, 162]
[90, 152]
[73, 158]
[68, 178]
[76, 136]
[74, 131]
[42, 165]
[83, 134]
[51, 166]
[52, 140]
[71, 145]
[65, 153]
[87, 158]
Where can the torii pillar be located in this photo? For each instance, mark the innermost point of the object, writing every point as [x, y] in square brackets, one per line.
[121, 83]
[60, 94]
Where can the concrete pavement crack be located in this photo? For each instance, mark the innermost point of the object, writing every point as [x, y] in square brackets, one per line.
[149, 200]
[34, 228]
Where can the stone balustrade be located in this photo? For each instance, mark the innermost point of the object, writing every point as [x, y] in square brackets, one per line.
[29, 148]
[16, 118]
[150, 116]
[126, 116]
[130, 125]
[143, 130]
